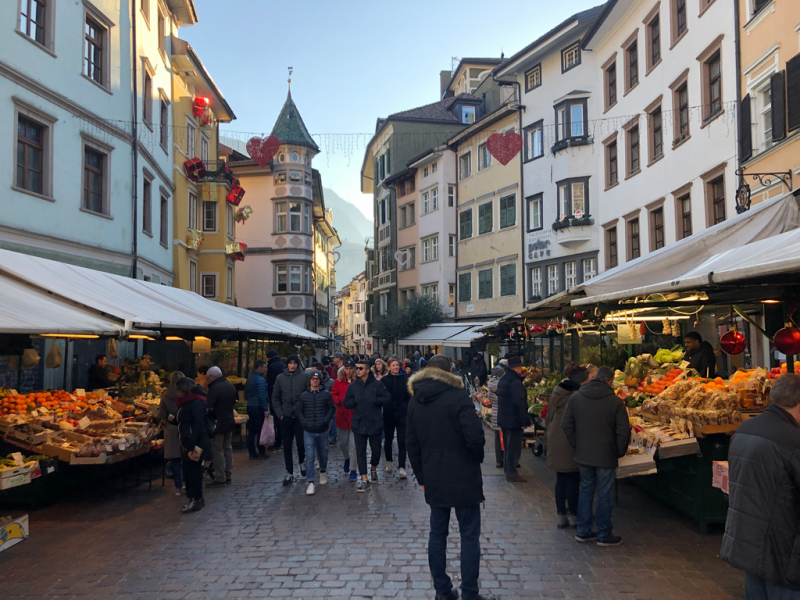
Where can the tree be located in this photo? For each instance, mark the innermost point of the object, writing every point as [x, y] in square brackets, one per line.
[418, 313]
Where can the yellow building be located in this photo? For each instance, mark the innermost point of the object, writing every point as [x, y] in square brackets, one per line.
[204, 224]
[769, 128]
[326, 239]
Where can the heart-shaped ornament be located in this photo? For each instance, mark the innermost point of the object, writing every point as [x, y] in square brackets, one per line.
[504, 147]
[262, 150]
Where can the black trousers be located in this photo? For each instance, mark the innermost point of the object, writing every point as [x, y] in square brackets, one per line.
[275, 421]
[361, 450]
[498, 448]
[292, 431]
[193, 477]
[512, 439]
[567, 487]
[255, 422]
[389, 427]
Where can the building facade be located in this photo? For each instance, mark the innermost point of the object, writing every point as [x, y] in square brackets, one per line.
[405, 186]
[351, 316]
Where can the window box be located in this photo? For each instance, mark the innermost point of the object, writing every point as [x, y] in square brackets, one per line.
[573, 232]
[560, 145]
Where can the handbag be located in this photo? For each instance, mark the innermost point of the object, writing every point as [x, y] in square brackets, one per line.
[211, 422]
[267, 434]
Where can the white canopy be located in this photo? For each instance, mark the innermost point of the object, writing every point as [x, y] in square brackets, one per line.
[445, 334]
[146, 305]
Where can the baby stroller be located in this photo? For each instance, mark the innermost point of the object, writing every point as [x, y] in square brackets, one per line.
[539, 439]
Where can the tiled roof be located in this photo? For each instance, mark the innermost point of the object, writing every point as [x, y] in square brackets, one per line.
[437, 111]
[289, 128]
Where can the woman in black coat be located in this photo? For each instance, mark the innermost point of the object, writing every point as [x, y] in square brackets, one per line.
[195, 443]
[395, 416]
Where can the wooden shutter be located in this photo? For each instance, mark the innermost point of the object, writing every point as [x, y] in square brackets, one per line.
[793, 92]
[745, 130]
[388, 161]
[778, 106]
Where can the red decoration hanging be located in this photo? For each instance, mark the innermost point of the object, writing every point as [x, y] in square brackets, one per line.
[243, 250]
[235, 195]
[199, 105]
[733, 342]
[504, 147]
[579, 316]
[262, 150]
[642, 328]
[787, 340]
[195, 169]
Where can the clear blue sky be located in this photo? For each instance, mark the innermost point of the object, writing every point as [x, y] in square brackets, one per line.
[354, 61]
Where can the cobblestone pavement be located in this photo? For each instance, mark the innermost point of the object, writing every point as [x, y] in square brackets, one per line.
[257, 539]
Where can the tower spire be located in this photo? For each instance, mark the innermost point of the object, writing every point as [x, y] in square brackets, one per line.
[291, 70]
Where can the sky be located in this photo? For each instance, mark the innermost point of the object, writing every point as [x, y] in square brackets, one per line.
[353, 62]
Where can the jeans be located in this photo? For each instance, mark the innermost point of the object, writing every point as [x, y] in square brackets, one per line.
[512, 440]
[498, 448]
[175, 463]
[223, 456]
[255, 421]
[361, 450]
[567, 485]
[318, 442]
[292, 431]
[193, 474]
[603, 480]
[346, 442]
[389, 428]
[469, 523]
[333, 431]
[756, 588]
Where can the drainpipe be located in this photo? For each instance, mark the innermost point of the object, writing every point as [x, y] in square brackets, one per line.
[135, 147]
[738, 55]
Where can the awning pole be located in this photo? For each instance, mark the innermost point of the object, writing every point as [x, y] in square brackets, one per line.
[239, 359]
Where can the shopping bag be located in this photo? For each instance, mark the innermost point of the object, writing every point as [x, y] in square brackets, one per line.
[53, 359]
[267, 433]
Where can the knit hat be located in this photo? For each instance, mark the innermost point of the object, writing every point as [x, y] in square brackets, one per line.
[514, 361]
[272, 354]
[315, 373]
[338, 355]
[439, 362]
[293, 357]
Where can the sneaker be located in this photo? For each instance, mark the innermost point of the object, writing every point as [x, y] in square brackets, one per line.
[362, 486]
[374, 475]
[347, 466]
[572, 520]
[189, 506]
[353, 476]
[401, 474]
[332, 441]
[177, 492]
[389, 466]
[612, 540]
[323, 478]
[453, 595]
[562, 522]
[289, 479]
[302, 471]
[215, 484]
[586, 538]
[310, 489]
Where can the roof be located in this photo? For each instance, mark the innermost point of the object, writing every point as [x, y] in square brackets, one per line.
[490, 62]
[290, 129]
[436, 111]
[184, 11]
[609, 6]
[577, 18]
[446, 334]
[202, 79]
[482, 124]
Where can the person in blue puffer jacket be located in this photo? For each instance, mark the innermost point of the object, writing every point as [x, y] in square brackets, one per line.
[255, 391]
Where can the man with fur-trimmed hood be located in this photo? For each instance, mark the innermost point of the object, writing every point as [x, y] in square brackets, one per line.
[445, 443]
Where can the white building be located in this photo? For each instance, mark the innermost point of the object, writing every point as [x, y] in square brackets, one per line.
[560, 182]
[668, 132]
[68, 82]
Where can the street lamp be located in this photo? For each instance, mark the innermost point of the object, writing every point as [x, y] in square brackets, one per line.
[765, 179]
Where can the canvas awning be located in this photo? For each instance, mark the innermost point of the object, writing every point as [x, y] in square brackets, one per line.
[458, 335]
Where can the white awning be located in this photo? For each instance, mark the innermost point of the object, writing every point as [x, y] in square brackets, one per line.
[466, 337]
[445, 334]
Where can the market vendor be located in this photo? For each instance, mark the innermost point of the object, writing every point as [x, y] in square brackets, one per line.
[98, 377]
[700, 355]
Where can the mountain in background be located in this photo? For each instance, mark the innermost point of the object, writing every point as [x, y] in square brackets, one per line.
[353, 228]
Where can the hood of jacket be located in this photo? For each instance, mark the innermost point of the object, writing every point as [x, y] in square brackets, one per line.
[430, 383]
[340, 375]
[594, 390]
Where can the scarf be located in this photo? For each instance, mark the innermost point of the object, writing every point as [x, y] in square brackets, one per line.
[184, 399]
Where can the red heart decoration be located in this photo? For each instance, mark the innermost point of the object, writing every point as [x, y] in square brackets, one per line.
[504, 147]
[262, 150]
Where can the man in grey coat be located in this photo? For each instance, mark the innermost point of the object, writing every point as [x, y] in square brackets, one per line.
[286, 400]
[596, 424]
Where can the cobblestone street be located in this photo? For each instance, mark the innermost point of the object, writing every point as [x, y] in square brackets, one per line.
[257, 539]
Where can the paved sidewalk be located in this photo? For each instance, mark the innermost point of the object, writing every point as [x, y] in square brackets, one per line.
[257, 539]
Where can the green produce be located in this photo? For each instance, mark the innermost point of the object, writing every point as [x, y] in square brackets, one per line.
[674, 355]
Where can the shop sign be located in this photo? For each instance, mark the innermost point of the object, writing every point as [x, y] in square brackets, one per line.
[537, 244]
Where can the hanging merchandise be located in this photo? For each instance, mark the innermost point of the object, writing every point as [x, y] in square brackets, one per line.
[676, 329]
[666, 327]
[579, 316]
[236, 251]
[236, 194]
[195, 239]
[199, 105]
[113, 353]
[243, 214]
[642, 328]
[733, 342]
[504, 147]
[53, 358]
[261, 150]
[787, 340]
[195, 169]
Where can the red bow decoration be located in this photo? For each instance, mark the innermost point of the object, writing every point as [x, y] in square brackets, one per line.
[262, 150]
[504, 147]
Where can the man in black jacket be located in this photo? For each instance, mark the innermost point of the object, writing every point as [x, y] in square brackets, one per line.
[700, 355]
[596, 425]
[366, 395]
[221, 399]
[477, 370]
[315, 412]
[445, 447]
[395, 416]
[275, 366]
[512, 416]
[286, 398]
[762, 532]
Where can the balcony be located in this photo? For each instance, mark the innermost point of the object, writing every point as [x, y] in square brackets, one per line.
[384, 232]
[571, 142]
[573, 232]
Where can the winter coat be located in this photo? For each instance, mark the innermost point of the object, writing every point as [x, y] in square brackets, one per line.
[497, 373]
[762, 532]
[331, 371]
[169, 406]
[512, 402]
[477, 368]
[255, 391]
[286, 394]
[366, 399]
[560, 455]
[445, 439]
[191, 419]
[97, 378]
[316, 410]
[397, 386]
[275, 367]
[344, 416]
[596, 425]
[703, 360]
[326, 382]
[221, 398]
[375, 371]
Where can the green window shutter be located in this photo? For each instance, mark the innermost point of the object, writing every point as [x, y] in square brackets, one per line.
[778, 90]
[793, 92]
[484, 284]
[485, 218]
[745, 130]
[465, 224]
[465, 287]
[388, 161]
[508, 280]
[508, 211]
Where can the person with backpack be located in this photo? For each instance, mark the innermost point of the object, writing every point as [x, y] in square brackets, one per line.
[194, 440]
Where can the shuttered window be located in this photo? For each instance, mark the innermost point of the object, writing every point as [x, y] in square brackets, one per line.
[508, 280]
[745, 130]
[465, 287]
[793, 92]
[778, 106]
[484, 284]
[508, 211]
[485, 218]
[465, 224]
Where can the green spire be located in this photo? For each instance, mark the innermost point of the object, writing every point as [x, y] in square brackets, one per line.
[290, 129]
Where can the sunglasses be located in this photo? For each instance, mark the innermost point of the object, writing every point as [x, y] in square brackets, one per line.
[361, 368]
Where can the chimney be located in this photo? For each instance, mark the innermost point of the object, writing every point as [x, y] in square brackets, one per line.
[444, 79]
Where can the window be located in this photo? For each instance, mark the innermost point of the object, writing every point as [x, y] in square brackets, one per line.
[281, 279]
[533, 78]
[552, 280]
[508, 280]
[571, 119]
[656, 228]
[434, 167]
[30, 155]
[467, 114]
[631, 66]
[465, 166]
[684, 210]
[94, 36]
[409, 258]
[653, 42]
[465, 287]
[306, 280]
[230, 220]
[32, 20]
[578, 199]
[307, 219]
[759, 4]
[536, 282]
[451, 196]
[680, 102]
[295, 279]
[295, 216]
[612, 258]
[383, 303]
[484, 158]
[162, 33]
[570, 57]
[192, 276]
[204, 149]
[534, 143]
[766, 115]
[570, 275]
[572, 199]
[383, 213]
[611, 85]
[194, 210]
[716, 195]
[407, 215]
[94, 166]
[679, 25]
[435, 199]
[485, 224]
[508, 211]
[281, 223]
[425, 171]
[209, 285]
[589, 268]
[451, 298]
[430, 249]
[191, 140]
[295, 176]
[164, 124]
[164, 234]
[147, 98]
[426, 203]
[485, 284]
[465, 224]
[295, 157]
[535, 217]
[451, 245]
[431, 290]
[576, 120]
[633, 150]
[712, 86]
[612, 169]
[147, 207]
[634, 241]
[209, 216]
[655, 121]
